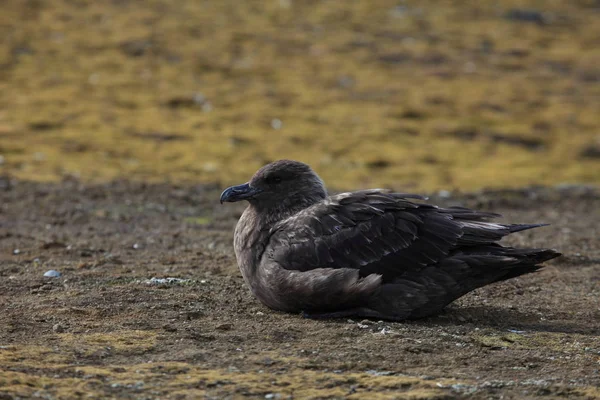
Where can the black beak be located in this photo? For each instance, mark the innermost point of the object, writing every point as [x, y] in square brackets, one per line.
[239, 192]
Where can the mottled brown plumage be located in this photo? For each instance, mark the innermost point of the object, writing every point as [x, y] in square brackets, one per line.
[370, 253]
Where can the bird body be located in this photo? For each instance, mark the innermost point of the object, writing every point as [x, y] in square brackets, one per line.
[371, 253]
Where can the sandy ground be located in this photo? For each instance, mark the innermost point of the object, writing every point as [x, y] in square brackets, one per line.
[105, 329]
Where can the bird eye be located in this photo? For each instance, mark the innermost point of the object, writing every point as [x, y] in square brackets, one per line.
[274, 179]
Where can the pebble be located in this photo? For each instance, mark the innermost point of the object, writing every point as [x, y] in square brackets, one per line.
[207, 107]
[199, 98]
[166, 281]
[224, 327]
[375, 372]
[528, 15]
[276, 124]
[52, 274]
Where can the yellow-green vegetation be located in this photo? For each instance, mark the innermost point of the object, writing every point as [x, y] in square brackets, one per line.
[62, 380]
[124, 342]
[417, 94]
[588, 392]
[562, 343]
[58, 369]
[190, 382]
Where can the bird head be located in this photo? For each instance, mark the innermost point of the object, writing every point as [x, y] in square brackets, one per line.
[278, 185]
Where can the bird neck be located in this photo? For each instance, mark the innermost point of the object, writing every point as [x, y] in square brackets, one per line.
[277, 211]
[254, 229]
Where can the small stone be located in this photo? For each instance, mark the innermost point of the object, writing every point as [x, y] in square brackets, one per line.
[210, 167]
[52, 274]
[224, 327]
[166, 281]
[94, 78]
[527, 15]
[16, 251]
[470, 67]
[199, 98]
[276, 124]
[591, 151]
[444, 194]
[207, 107]
[345, 81]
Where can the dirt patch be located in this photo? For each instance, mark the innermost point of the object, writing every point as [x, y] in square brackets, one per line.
[105, 328]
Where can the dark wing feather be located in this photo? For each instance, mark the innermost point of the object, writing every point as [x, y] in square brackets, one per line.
[381, 233]
[373, 231]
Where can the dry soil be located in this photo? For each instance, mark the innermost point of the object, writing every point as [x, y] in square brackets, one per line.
[105, 328]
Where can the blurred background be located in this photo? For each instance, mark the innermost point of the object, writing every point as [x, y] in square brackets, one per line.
[422, 95]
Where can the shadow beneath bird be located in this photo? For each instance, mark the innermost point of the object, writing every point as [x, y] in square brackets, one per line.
[503, 319]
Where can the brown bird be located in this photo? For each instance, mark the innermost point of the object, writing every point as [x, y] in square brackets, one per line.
[370, 253]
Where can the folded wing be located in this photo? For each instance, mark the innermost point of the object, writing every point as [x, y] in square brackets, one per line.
[378, 232]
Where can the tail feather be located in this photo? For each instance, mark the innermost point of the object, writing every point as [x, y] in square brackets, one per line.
[476, 260]
[483, 232]
[523, 227]
[494, 263]
[470, 268]
[531, 256]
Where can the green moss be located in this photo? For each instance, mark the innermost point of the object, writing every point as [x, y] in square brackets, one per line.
[123, 342]
[369, 94]
[588, 392]
[68, 380]
[57, 371]
[554, 341]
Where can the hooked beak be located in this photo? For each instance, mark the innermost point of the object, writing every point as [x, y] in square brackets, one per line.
[239, 192]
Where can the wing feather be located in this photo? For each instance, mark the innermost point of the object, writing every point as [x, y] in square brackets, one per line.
[377, 232]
